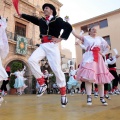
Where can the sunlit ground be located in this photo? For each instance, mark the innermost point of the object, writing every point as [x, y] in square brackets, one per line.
[47, 107]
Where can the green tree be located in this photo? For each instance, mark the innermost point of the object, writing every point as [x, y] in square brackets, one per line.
[52, 78]
[14, 67]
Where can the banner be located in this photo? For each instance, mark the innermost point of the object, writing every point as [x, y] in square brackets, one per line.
[15, 3]
[21, 46]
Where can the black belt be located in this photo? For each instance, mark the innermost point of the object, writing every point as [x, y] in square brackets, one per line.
[49, 36]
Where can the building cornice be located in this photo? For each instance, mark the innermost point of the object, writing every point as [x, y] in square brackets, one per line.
[28, 3]
[57, 2]
[37, 8]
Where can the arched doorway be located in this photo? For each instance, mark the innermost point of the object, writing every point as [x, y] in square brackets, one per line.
[27, 75]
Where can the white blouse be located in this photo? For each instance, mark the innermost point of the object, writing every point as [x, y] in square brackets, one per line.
[72, 72]
[111, 62]
[90, 43]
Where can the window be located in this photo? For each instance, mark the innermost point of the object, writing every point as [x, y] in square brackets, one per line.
[84, 28]
[71, 62]
[93, 25]
[20, 29]
[107, 38]
[103, 23]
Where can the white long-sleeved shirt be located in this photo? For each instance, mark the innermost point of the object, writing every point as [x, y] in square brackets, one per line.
[111, 62]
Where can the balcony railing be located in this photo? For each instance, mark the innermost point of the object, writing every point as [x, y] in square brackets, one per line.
[13, 36]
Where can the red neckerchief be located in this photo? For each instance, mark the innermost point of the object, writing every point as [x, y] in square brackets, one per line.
[47, 18]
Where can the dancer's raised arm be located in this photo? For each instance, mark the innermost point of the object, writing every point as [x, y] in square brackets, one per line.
[80, 37]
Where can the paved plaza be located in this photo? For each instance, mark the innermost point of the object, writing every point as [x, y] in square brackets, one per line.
[47, 107]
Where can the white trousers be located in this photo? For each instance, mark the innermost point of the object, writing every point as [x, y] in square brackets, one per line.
[51, 51]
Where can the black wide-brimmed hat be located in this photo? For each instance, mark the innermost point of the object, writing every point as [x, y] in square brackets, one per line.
[51, 7]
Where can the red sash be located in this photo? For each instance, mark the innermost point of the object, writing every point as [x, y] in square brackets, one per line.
[95, 51]
[46, 39]
[112, 69]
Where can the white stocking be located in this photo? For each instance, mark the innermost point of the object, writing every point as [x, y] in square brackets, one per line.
[88, 88]
[101, 90]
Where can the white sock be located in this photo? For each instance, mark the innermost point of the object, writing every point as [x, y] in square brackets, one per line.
[88, 88]
[101, 90]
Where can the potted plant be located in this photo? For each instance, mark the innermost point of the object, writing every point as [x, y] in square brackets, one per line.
[14, 67]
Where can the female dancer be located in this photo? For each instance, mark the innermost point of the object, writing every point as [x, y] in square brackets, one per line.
[93, 68]
[72, 83]
[18, 82]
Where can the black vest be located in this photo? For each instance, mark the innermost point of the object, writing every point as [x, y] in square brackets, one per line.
[54, 27]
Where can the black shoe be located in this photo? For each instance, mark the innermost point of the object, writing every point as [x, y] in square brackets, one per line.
[103, 101]
[64, 101]
[89, 100]
[19, 93]
[117, 92]
[42, 90]
[83, 92]
[107, 97]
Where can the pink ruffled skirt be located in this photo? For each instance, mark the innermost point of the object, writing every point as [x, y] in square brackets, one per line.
[94, 72]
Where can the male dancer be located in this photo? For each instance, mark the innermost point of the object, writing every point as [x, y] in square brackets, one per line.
[112, 68]
[50, 28]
